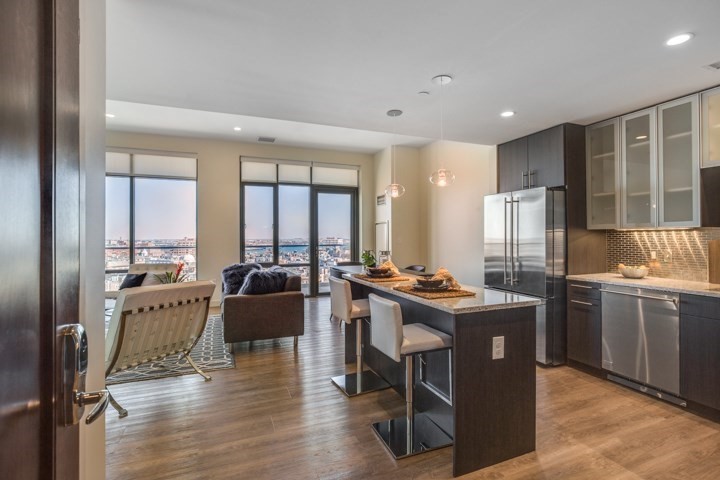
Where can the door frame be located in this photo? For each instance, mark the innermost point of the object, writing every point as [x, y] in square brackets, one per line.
[315, 191]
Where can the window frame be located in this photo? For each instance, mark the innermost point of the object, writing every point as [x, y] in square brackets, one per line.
[314, 190]
[131, 197]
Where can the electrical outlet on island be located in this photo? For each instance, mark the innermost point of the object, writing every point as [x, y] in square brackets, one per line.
[498, 348]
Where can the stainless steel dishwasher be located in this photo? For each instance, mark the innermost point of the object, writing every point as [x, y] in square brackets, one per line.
[641, 339]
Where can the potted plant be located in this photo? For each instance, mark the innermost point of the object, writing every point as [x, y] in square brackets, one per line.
[368, 258]
[173, 277]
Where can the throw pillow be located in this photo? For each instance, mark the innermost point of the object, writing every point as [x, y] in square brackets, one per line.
[132, 280]
[260, 282]
[234, 276]
[151, 279]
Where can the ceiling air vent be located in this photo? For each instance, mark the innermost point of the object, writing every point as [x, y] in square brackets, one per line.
[713, 66]
[266, 139]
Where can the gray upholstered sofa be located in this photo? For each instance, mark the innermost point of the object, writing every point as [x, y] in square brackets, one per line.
[271, 315]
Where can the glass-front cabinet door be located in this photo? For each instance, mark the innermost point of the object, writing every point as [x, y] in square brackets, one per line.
[711, 128]
[639, 170]
[603, 180]
[678, 163]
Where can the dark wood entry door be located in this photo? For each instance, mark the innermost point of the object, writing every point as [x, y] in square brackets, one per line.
[39, 232]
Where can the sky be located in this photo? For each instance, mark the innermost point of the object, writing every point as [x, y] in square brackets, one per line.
[334, 217]
[165, 208]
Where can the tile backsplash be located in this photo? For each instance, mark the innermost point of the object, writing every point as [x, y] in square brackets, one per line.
[681, 254]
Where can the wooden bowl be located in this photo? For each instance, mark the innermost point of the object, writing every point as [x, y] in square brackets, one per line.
[378, 270]
[428, 283]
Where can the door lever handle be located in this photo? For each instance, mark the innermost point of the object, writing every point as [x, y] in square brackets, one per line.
[75, 361]
[100, 397]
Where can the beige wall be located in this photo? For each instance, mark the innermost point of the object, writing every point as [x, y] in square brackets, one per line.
[452, 217]
[403, 212]
[433, 226]
[406, 223]
[92, 208]
[218, 189]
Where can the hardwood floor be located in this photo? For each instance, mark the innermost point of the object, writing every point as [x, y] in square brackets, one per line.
[277, 416]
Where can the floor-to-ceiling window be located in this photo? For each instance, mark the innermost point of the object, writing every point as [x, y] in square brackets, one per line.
[150, 212]
[299, 215]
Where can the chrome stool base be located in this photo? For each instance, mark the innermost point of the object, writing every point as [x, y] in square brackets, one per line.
[354, 384]
[424, 435]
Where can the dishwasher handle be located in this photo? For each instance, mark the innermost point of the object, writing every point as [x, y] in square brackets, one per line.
[673, 300]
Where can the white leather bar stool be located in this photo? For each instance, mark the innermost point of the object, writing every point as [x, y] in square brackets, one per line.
[348, 310]
[411, 434]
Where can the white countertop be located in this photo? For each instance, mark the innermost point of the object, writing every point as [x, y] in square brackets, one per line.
[484, 299]
[654, 283]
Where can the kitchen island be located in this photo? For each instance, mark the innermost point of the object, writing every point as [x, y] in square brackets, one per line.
[486, 405]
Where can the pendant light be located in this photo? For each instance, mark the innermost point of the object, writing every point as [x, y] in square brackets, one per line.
[442, 177]
[394, 190]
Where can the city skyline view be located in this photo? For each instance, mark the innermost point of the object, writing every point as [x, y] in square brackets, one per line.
[165, 214]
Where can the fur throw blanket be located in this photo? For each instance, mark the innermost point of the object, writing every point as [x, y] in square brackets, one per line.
[443, 274]
[260, 282]
[234, 276]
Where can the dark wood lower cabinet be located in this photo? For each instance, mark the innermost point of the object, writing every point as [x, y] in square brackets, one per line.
[700, 359]
[585, 332]
[584, 324]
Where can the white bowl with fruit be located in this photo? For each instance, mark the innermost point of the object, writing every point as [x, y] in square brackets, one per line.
[631, 271]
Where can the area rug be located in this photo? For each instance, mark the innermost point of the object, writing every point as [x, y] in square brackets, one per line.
[210, 353]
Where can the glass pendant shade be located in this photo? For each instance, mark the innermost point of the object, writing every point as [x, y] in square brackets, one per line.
[442, 177]
[394, 190]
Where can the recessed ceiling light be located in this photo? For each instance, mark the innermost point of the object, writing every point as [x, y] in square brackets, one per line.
[641, 137]
[237, 129]
[678, 39]
[442, 79]
[110, 115]
[507, 114]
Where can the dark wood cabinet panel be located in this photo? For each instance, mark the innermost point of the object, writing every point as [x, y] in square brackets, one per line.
[546, 157]
[512, 165]
[710, 197]
[584, 325]
[583, 290]
[700, 306]
[700, 360]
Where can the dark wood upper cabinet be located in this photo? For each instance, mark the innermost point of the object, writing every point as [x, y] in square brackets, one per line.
[537, 160]
[546, 157]
[513, 165]
[556, 158]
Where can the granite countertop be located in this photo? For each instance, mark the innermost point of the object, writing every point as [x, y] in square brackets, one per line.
[654, 283]
[484, 299]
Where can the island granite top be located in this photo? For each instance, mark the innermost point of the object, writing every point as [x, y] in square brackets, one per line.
[484, 299]
[653, 283]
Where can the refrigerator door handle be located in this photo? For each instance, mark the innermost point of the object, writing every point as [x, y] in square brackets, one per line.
[505, 243]
[515, 235]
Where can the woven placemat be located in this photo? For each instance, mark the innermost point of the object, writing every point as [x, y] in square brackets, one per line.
[382, 279]
[434, 295]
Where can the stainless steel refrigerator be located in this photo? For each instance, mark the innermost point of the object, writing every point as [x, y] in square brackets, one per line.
[525, 245]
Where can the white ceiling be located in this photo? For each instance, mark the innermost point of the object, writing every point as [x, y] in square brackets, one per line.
[344, 63]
